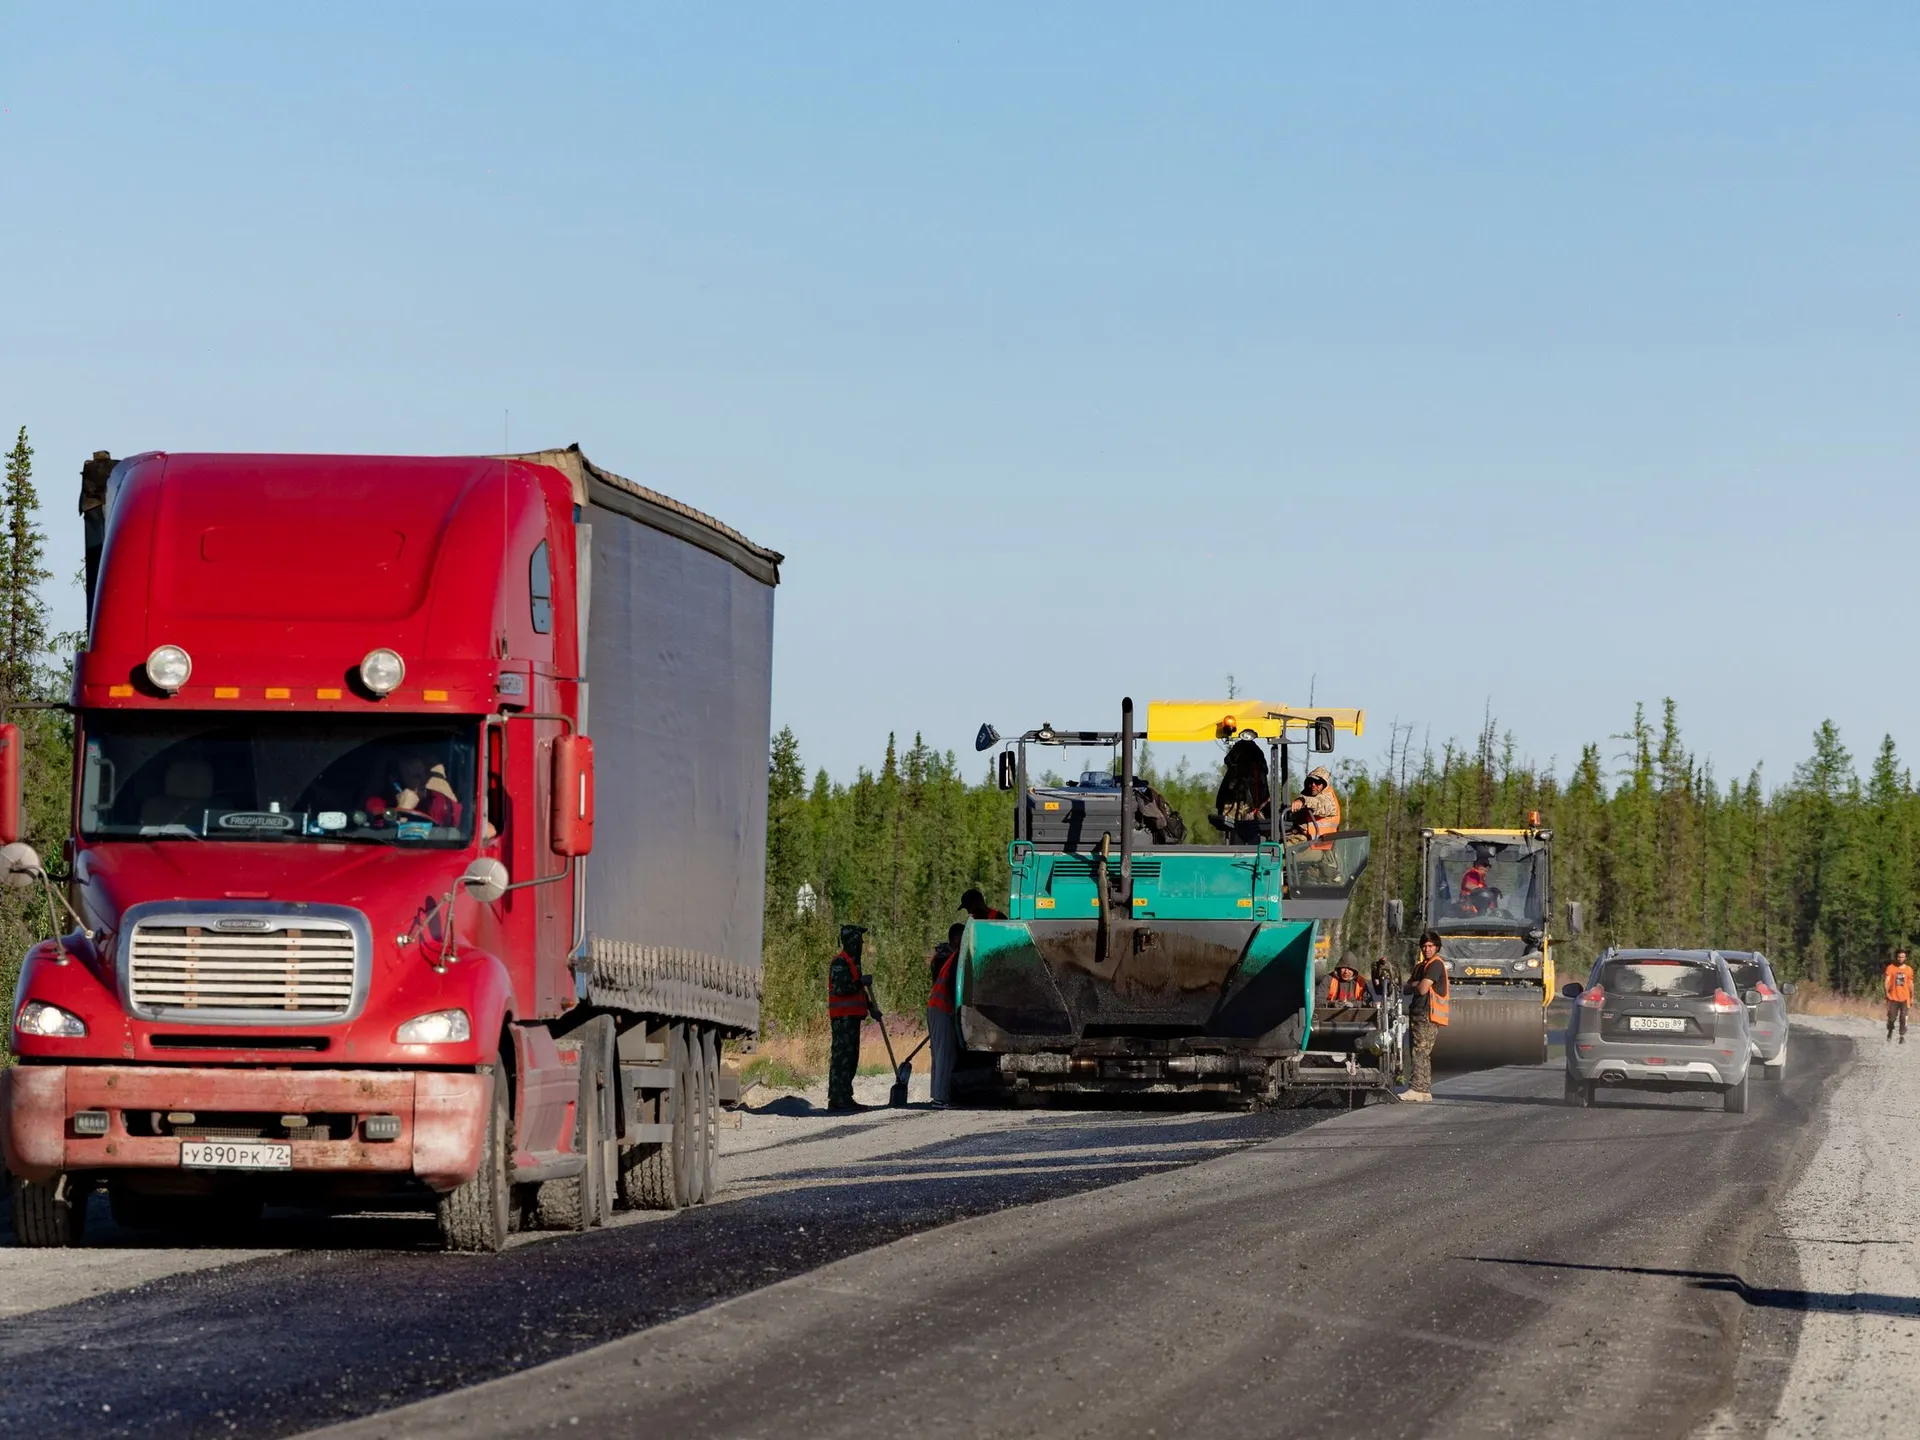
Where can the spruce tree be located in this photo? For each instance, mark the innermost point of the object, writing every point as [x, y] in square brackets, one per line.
[23, 569]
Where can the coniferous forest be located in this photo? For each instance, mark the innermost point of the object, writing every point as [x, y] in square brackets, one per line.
[1821, 872]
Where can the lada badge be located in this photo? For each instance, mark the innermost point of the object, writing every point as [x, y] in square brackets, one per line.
[256, 820]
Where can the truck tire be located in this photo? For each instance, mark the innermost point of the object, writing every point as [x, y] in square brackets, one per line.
[653, 1176]
[49, 1214]
[688, 1126]
[1734, 1097]
[707, 1119]
[475, 1217]
[583, 1201]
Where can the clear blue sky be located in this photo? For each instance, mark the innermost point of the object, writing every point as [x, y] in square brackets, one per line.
[1534, 356]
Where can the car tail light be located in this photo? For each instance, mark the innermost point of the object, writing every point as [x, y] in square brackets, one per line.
[1724, 1004]
[1594, 998]
[1764, 990]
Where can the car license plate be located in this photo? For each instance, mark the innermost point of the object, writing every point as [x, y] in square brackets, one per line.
[236, 1155]
[1654, 1022]
[1484, 970]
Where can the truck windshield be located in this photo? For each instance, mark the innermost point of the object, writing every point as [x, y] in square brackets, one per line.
[387, 780]
[1487, 882]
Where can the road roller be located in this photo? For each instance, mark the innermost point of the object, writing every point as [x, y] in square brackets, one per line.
[1486, 894]
[1134, 959]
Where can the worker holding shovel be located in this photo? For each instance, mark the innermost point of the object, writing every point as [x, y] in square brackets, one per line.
[848, 1006]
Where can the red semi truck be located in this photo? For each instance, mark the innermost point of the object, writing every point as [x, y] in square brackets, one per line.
[359, 908]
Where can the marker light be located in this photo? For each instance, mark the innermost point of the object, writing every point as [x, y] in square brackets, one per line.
[168, 667]
[436, 1027]
[382, 671]
[39, 1018]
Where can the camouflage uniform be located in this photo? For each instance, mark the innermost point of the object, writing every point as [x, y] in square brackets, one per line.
[843, 988]
[1424, 1034]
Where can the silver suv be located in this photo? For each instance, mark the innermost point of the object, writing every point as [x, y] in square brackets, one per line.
[1669, 1020]
[1766, 999]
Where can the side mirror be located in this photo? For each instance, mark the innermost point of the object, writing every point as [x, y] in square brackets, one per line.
[1752, 997]
[19, 864]
[1008, 772]
[1788, 988]
[485, 880]
[572, 827]
[986, 739]
[1573, 990]
[1396, 916]
[1323, 735]
[11, 800]
[1576, 918]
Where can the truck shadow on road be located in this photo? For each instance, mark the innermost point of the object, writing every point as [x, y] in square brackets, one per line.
[1822, 1302]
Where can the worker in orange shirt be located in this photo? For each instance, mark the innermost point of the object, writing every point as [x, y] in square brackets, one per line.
[1899, 992]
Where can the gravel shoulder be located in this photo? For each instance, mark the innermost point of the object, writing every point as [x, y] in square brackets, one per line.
[1841, 1261]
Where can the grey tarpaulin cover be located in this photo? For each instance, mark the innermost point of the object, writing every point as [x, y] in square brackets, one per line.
[680, 669]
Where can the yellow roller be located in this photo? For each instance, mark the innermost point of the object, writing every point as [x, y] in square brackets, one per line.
[1492, 1025]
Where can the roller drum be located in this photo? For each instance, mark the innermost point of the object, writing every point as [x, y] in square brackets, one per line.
[1492, 1025]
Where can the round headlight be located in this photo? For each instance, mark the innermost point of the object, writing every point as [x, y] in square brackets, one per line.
[381, 671]
[168, 667]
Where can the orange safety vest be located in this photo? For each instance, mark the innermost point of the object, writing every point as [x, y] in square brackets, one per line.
[1438, 1004]
[941, 997]
[1900, 984]
[1347, 992]
[1319, 827]
[853, 1004]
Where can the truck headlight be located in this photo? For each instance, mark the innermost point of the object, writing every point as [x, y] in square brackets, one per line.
[168, 667]
[382, 671]
[39, 1018]
[436, 1027]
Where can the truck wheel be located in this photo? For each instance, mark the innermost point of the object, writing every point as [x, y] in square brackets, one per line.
[1734, 1097]
[709, 1116]
[652, 1175]
[49, 1214]
[475, 1217]
[690, 1156]
[580, 1202]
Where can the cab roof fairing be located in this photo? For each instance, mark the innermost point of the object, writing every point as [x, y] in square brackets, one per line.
[284, 571]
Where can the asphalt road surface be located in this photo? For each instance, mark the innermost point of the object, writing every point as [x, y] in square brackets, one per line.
[1492, 1263]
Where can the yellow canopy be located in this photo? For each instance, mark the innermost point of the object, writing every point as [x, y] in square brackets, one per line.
[1194, 720]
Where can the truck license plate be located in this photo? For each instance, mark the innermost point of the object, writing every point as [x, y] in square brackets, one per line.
[236, 1155]
[1654, 1022]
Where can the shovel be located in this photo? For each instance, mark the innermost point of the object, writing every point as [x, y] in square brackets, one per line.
[902, 1074]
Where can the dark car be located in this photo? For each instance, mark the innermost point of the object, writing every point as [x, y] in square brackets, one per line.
[1766, 1001]
[1666, 1020]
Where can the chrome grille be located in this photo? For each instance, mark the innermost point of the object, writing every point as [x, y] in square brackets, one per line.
[277, 968]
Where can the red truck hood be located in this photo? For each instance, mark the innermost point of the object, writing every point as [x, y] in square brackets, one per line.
[388, 884]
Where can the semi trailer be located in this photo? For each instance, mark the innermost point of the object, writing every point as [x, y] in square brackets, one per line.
[1131, 961]
[419, 829]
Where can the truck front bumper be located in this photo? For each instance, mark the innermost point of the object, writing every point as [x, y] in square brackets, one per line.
[442, 1117]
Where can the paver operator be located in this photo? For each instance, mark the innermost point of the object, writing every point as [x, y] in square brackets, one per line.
[942, 1037]
[1427, 1011]
[849, 1003]
[975, 904]
[1899, 992]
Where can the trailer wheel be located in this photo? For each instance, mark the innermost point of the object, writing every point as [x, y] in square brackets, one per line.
[580, 1202]
[474, 1217]
[49, 1214]
[653, 1176]
[707, 1118]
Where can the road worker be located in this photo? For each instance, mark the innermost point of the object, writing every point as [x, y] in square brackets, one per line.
[1427, 1011]
[1346, 987]
[1899, 992]
[975, 904]
[1314, 814]
[849, 1003]
[943, 1036]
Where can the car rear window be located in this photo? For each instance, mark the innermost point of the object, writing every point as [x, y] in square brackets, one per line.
[1747, 976]
[1663, 979]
